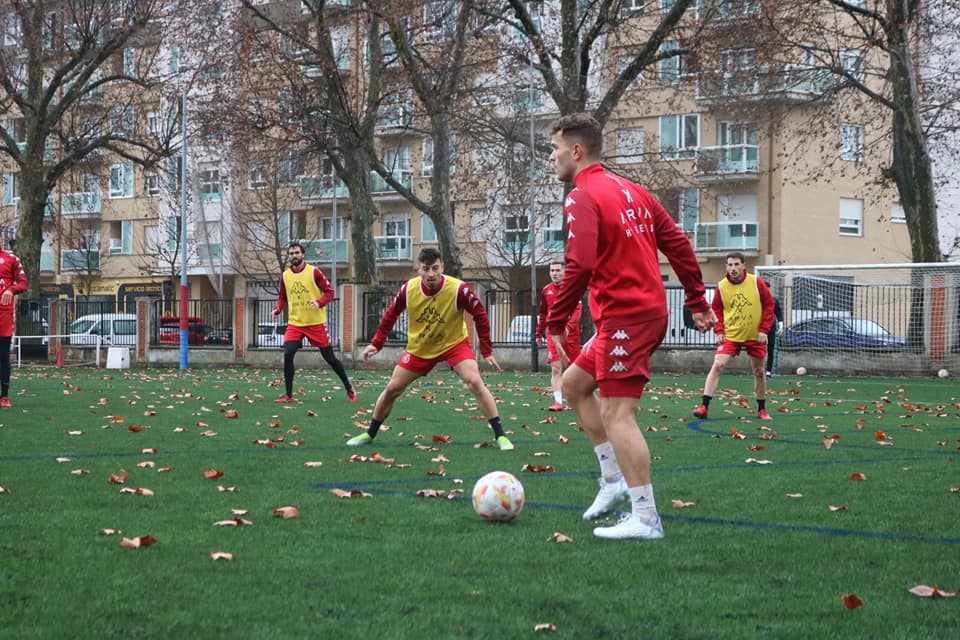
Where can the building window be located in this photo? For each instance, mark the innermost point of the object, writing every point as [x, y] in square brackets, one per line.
[121, 237]
[629, 145]
[427, 157]
[670, 64]
[679, 136]
[154, 126]
[516, 231]
[257, 176]
[851, 61]
[897, 213]
[851, 142]
[290, 168]
[11, 188]
[291, 226]
[210, 184]
[151, 183]
[129, 62]
[326, 229]
[121, 180]
[851, 217]
[428, 232]
[121, 120]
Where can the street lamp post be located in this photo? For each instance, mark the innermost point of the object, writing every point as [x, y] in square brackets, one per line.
[531, 225]
[184, 322]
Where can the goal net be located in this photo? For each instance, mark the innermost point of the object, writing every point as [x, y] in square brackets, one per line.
[898, 319]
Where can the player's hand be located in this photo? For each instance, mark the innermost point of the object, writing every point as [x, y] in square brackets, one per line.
[720, 338]
[762, 338]
[704, 320]
[315, 304]
[490, 360]
[369, 351]
[275, 312]
[779, 328]
[6, 298]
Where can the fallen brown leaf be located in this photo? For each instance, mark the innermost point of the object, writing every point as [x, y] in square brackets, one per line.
[559, 537]
[137, 543]
[924, 591]
[221, 555]
[286, 512]
[212, 474]
[850, 601]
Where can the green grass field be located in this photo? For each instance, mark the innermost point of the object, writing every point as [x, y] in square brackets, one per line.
[745, 561]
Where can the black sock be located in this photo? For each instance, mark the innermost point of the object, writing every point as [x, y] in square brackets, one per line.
[5, 366]
[706, 400]
[337, 366]
[761, 405]
[374, 427]
[289, 351]
[496, 426]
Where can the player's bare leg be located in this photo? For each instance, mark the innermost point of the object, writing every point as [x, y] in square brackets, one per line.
[469, 372]
[400, 379]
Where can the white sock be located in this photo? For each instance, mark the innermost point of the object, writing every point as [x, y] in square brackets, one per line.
[609, 468]
[558, 397]
[641, 499]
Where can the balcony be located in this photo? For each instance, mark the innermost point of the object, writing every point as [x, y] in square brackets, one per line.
[321, 188]
[393, 248]
[794, 83]
[726, 236]
[379, 185]
[80, 260]
[80, 203]
[728, 163]
[320, 251]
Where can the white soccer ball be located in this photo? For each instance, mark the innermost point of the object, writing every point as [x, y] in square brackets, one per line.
[498, 496]
[801, 371]
[943, 373]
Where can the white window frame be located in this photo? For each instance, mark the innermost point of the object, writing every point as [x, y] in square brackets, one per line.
[851, 217]
[121, 181]
[151, 184]
[686, 148]
[428, 231]
[257, 175]
[851, 61]
[211, 187]
[427, 170]
[851, 142]
[897, 214]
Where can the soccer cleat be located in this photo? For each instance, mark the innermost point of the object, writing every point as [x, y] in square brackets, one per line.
[630, 527]
[763, 415]
[284, 400]
[352, 395]
[700, 412]
[5, 403]
[504, 443]
[610, 495]
[363, 438]
[769, 375]
[556, 406]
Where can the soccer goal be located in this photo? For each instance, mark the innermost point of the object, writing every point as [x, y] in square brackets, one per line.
[873, 319]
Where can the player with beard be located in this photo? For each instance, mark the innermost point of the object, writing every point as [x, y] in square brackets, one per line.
[306, 292]
[13, 280]
[745, 315]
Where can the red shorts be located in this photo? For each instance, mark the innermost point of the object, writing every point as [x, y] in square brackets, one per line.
[452, 356]
[6, 322]
[571, 347]
[315, 333]
[731, 348]
[618, 357]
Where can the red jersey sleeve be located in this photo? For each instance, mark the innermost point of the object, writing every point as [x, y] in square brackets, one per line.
[767, 304]
[674, 244]
[281, 297]
[324, 285]
[398, 306]
[718, 310]
[469, 302]
[19, 284]
[542, 315]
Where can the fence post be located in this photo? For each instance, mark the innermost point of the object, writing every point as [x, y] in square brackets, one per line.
[53, 329]
[144, 311]
[239, 323]
[348, 319]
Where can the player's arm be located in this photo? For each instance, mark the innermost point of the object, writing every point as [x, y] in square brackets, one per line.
[324, 285]
[281, 299]
[541, 317]
[767, 306]
[717, 307]
[675, 245]
[389, 319]
[20, 283]
[581, 258]
[469, 302]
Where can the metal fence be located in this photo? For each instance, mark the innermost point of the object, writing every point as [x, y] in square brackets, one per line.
[267, 331]
[512, 316]
[210, 323]
[375, 304]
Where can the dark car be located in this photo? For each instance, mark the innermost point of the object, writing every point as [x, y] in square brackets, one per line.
[840, 333]
[220, 336]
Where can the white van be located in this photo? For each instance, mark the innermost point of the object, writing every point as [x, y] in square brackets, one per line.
[113, 329]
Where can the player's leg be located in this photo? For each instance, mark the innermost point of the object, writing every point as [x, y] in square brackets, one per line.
[469, 372]
[720, 361]
[337, 366]
[290, 348]
[556, 384]
[5, 372]
[400, 379]
[760, 384]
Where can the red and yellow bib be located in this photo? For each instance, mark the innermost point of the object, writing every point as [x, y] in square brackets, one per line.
[301, 289]
[742, 310]
[435, 324]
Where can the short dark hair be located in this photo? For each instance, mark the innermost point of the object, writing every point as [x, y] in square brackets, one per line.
[297, 245]
[559, 262]
[583, 129]
[736, 255]
[428, 255]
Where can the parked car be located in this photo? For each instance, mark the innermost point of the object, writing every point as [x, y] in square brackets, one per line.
[220, 336]
[170, 330]
[112, 329]
[840, 333]
[519, 331]
[270, 334]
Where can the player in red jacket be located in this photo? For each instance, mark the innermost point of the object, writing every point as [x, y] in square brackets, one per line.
[615, 231]
[558, 360]
[13, 280]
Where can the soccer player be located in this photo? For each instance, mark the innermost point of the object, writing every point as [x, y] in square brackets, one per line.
[306, 292]
[744, 308]
[571, 342]
[13, 280]
[436, 332]
[615, 229]
[775, 330]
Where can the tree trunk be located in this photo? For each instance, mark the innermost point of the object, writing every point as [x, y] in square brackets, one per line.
[362, 211]
[33, 202]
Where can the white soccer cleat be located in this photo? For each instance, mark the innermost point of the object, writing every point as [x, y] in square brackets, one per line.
[630, 527]
[610, 495]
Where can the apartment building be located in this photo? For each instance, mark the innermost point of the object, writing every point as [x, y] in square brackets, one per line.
[739, 149]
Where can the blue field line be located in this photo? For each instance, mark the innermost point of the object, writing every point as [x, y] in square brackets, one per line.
[725, 522]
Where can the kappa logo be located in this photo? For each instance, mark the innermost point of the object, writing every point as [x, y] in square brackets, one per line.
[619, 334]
[569, 201]
[618, 367]
[619, 351]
